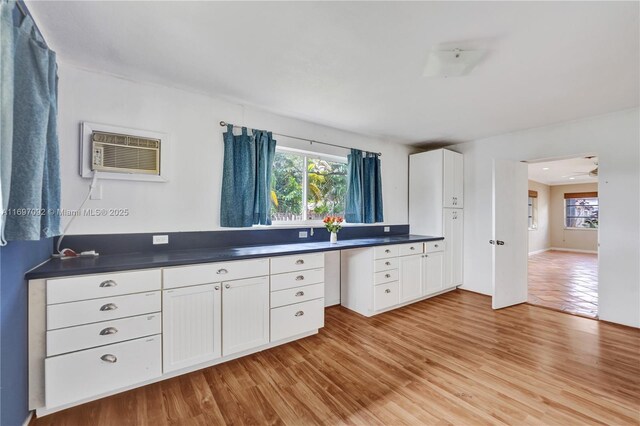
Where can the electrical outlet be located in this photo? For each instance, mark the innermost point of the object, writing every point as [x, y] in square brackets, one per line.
[160, 239]
[96, 194]
[387, 229]
[303, 234]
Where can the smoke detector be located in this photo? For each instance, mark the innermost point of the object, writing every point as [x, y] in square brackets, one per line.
[452, 63]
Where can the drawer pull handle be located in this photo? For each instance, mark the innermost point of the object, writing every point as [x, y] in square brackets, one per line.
[221, 271]
[299, 313]
[108, 307]
[109, 358]
[227, 286]
[109, 330]
[387, 263]
[300, 278]
[300, 293]
[108, 283]
[387, 291]
[387, 251]
[300, 262]
[387, 275]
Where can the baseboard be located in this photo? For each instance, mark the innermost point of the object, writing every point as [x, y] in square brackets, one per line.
[531, 253]
[28, 419]
[574, 250]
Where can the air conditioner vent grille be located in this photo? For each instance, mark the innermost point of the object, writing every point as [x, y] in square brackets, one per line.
[125, 154]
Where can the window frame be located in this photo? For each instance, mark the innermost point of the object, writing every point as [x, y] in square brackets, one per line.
[533, 202]
[579, 228]
[305, 154]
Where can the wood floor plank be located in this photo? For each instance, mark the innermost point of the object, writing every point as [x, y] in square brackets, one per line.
[446, 360]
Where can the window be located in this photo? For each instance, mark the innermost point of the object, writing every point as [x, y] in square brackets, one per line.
[581, 210]
[307, 186]
[533, 213]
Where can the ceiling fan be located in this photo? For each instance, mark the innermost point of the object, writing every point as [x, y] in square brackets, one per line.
[591, 173]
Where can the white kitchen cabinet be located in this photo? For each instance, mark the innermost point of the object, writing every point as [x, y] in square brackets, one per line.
[433, 273]
[411, 278]
[245, 314]
[453, 255]
[452, 180]
[192, 325]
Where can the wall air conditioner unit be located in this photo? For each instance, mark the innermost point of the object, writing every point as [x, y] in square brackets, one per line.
[122, 153]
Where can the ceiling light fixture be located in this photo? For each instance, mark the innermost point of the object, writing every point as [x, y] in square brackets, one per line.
[451, 63]
[545, 168]
[572, 178]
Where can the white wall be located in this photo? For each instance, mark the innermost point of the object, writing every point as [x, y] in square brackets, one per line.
[615, 138]
[540, 238]
[190, 200]
[573, 239]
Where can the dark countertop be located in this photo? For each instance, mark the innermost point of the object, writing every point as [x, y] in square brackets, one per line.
[130, 261]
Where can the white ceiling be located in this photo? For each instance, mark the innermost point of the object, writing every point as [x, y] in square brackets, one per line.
[564, 172]
[359, 65]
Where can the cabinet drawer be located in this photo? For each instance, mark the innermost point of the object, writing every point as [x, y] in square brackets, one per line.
[385, 264]
[103, 333]
[410, 249]
[214, 272]
[383, 252]
[295, 319]
[80, 375]
[385, 276]
[104, 285]
[386, 296]
[433, 246]
[296, 295]
[300, 262]
[97, 310]
[296, 279]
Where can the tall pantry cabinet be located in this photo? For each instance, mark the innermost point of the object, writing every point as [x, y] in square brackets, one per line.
[436, 205]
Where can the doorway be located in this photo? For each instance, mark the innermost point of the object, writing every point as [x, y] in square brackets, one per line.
[563, 221]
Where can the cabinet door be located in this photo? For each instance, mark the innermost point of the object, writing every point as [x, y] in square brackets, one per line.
[245, 314]
[448, 179]
[192, 329]
[458, 180]
[433, 273]
[453, 220]
[410, 278]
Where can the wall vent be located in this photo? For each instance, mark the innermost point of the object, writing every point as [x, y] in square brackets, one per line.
[120, 153]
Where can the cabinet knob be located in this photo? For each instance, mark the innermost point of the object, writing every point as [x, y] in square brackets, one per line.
[300, 294]
[412, 248]
[108, 331]
[300, 262]
[108, 283]
[227, 286]
[217, 287]
[387, 263]
[435, 245]
[299, 313]
[387, 275]
[300, 278]
[387, 291]
[109, 358]
[221, 271]
[387, 251]
[108, 307]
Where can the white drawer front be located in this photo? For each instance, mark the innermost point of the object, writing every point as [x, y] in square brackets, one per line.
[295, 319]
[103, 333]
[385, 276]
[282, 264]
[207, 273]
[85, 287]
[79, 375]
[433, 246]
[409, 249]
[296, 279]
[386, 296]
[383, 252]
[296, 295]
[97, 310]
[385, 264]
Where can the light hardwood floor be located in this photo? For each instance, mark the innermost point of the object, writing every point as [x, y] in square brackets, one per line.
[447, 360]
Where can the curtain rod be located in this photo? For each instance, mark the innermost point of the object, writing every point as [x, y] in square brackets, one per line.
[311, 141]
[22, 7]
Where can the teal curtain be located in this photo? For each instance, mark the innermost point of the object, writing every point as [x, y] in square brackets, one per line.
[265, 153]
[246, 178]
[353, 208]
[7, 57]
[371, 189]
[34, 191]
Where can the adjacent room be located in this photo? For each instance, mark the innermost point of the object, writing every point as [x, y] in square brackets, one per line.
[319, 213]
[563, 235]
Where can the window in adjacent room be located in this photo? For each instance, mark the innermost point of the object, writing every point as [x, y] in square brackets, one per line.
[307, 186]
[581, 210]
[533, 210]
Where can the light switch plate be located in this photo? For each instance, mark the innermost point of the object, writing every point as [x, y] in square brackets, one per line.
[160, 239]
[387, 229]
[303, 234]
